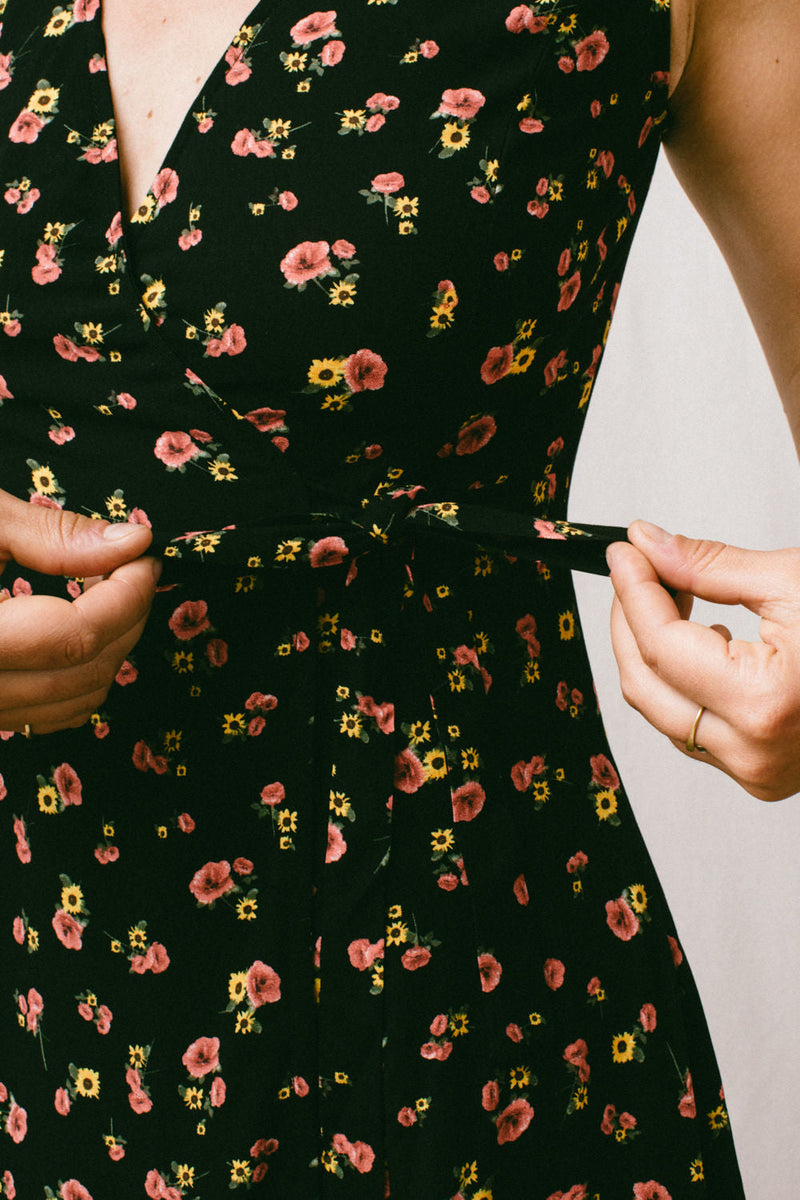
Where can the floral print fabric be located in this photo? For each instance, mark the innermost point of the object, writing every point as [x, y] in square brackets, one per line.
[340, 893]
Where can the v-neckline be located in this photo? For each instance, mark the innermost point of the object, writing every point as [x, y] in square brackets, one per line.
[209, 85]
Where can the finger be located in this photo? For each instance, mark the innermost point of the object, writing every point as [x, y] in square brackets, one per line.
[764, 581]
[45, 633]
[57, 541]
[45, 718]
[670, 711]
[728, 676]
[21, 692]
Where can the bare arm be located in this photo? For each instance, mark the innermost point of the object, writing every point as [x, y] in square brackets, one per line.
[735, 146]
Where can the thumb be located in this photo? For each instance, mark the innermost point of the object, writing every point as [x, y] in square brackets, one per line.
[765, 581]
[56, 541]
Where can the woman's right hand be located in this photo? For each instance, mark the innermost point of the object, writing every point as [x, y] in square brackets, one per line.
[58, 658]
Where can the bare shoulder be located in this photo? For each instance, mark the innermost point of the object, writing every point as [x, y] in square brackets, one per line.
[734, 145]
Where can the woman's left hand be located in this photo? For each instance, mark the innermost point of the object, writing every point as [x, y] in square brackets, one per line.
[671, 666]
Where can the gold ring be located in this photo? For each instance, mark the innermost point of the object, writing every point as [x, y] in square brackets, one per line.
[27, 731]
[691, 744]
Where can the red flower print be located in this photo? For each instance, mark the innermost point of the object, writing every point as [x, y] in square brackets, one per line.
[104, 1019]
[5, 394]
[490, 1096]
[26, 128]
[217, 652]
[522, 17]
[332, 54]
[47, 270]
[432, 1050]
[428, 49]
[475, 435]
[68, 931]
[407, 1117]
[468, 801]
[85, 10]
[16, 1123]
[621, 919]
[409, 773]
[538, 208]
[389, 183]
[19, 930]
[272, 794]
[522, 773]
[686, 1105]
[186, 823]
[140, 1103]
[675, 950]
[362, 953]
[106, 854]
[521, 891]
[232, 342]
[266, 419]
[650, 1191]
[217, 1093]
[576, 1192]
[202, 1057]
[263, 984]
[72, 1190]
[365, 371]
[531, 125]
[647, 1017]
[589, 53]
[497, 363]
[569, 291]
[464, 103]
[554, 971]
[513, 1033]
[603, 773]
[211, 881]
[362, 1157]
[382, 714]
[306, 261]
[513, 1121]
[328, 552]
[438, 1025]
[343, 249]
[62, 1101]
[490, 971]
[576, 1054]
[173, 448]
[68, 784]
[317, 25]
[627, 1120]
[189, 619]
[447, 882]
[416, 957]
[337, 846]
[154, 1185]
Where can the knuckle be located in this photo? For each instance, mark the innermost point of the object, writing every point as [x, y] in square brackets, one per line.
[80, 645]
[703, 555]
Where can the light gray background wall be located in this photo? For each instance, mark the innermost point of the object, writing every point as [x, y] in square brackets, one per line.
[686, 429]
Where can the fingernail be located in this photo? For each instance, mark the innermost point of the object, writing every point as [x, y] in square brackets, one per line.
[611, 553]
[121, 531]
[654, 532]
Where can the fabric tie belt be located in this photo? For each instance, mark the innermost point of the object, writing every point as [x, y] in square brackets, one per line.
[342, 534]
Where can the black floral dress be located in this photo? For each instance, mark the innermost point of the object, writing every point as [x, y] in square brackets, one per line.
[339, 894]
